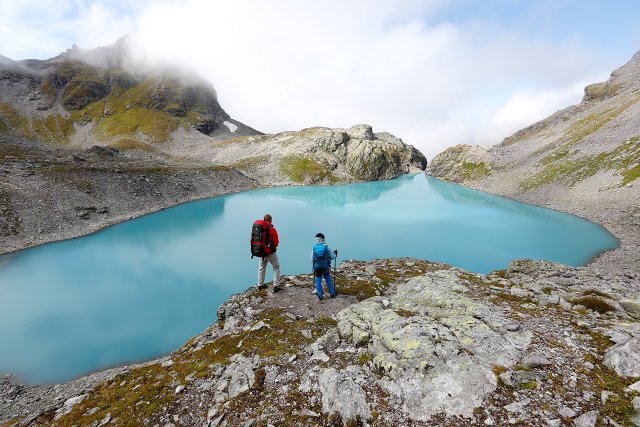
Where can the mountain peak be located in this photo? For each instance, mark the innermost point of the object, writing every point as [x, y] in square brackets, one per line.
[105, 90]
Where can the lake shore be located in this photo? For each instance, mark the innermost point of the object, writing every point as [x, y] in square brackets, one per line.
[617, 212]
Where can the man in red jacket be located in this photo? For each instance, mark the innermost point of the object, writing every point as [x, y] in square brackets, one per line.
[271, 257]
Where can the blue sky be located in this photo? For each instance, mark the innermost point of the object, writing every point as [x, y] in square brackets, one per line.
[433, 72]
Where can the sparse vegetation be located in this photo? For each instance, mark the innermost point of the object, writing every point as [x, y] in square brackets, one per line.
[304, 170]
[559, 168]
[157, 126]
[250, 162]
[138, 394]
[51, 128]
[124, 144]
[618, 405]
[590, 124]
[597, 293]
[594, 303]
[474, 170]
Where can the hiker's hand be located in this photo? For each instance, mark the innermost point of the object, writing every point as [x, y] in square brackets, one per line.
[335, 252]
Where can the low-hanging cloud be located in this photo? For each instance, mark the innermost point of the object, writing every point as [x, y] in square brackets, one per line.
[288, 64]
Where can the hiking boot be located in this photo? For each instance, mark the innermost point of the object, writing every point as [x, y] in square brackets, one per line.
[275, 289]
[314, 291]
[320, 297]
[333, 295]
[261, 286]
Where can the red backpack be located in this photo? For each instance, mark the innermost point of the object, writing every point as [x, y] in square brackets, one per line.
[261, 244]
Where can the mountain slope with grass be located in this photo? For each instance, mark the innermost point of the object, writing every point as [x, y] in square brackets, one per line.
[92, 138]
[584, 159]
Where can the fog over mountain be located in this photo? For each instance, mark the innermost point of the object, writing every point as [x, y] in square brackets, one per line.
[433, 73]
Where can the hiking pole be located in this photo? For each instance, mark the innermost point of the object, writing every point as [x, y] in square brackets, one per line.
[335, 262]
[313, 278]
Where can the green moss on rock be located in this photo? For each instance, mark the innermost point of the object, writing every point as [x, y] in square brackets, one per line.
[474, 170]
[303, 170]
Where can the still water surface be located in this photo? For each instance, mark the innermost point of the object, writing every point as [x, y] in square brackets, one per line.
[142, 288]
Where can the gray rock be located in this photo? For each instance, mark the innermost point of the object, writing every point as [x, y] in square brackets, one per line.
[319, 355]
[588, 419]
[238, 376]
[534, 360]
[624, 359]
[361, 132]
[105, 420]
[308, 413]
[517, 378]
[632, 307]
[342, 395]
[258, 326]
[68, 405]
[512, 326]
[426, 357]
[216, 422]
[517, 406]
[567, 412]
[636, 406]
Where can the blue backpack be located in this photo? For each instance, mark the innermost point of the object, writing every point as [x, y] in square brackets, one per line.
[321, 257]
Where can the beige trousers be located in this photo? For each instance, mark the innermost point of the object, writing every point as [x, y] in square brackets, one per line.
[262, 269]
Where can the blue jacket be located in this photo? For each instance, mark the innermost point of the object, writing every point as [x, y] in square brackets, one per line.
[320, 263]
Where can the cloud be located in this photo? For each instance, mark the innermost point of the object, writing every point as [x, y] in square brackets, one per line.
[288, 64]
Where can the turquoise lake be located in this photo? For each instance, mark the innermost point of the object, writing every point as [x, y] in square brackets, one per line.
[140, 289]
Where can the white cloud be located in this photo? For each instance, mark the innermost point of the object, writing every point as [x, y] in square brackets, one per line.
[289, 64]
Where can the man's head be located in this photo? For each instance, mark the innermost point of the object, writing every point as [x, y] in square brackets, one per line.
[319, 237]
[267, 218]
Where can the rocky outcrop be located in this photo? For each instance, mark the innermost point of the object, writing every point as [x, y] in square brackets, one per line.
[407, 342]
[582, 160]
[461, 163]
[440, 350]
[320, 156]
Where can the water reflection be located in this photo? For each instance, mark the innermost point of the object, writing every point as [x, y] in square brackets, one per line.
[340, 195]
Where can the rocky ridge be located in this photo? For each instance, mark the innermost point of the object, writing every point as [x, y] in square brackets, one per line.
[407, 342]
[583, 159]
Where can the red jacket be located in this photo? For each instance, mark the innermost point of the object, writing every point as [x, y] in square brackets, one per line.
[273, 235]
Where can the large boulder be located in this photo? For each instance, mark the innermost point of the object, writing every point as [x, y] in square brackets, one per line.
[341, 394]
[436, 346]
[624, 358]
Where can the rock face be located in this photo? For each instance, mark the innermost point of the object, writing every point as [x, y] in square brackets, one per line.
[407, 342]
[440, 352]
[461, 163]
[582, 160]
[320, 155]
